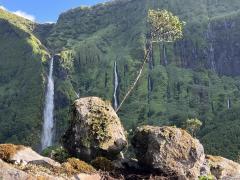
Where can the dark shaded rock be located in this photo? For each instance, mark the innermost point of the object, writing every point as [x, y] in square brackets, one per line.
[169, 150]
[95, 130]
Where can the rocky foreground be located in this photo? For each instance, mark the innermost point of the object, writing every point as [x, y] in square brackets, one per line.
[96, 136]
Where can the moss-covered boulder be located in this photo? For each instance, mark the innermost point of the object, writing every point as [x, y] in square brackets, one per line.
[95, 130]
[169, 150]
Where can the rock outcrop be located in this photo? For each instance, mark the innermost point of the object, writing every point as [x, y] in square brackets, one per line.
[20, 163]
[169, 150]
[10, 172]
[95, 130]
[23, 155]
[223, 168]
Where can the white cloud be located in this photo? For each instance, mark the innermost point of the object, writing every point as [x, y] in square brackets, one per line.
[20, 13]
[25, 15]
[49, 22]
[3, 8]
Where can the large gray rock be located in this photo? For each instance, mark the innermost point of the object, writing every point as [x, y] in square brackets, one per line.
[169, 150]
[222, 168]
[95, 130]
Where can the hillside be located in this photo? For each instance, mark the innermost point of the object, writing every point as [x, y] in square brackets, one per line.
[194, 77]
[21, 81]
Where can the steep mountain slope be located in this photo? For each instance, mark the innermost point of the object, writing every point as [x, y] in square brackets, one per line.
[194, 77]
[183, 79]
[21, 81]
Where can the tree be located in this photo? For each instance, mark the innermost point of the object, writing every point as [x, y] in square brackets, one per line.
[193, 125]
[164, 27]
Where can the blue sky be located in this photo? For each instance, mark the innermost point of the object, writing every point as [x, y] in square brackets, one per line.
[43, 10]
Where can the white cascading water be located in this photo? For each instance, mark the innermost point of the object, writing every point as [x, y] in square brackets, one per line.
[47, 134]
[165, 55]
[228, 103]
[211, 54]
[115, 86]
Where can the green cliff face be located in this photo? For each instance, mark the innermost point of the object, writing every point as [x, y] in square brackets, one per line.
[194, 77]
[21, 81]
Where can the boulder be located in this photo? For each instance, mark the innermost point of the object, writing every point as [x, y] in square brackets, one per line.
[169, 150]
[18, 154]
[27, 155]
[223, 168]
[95, 130]
[9, 172]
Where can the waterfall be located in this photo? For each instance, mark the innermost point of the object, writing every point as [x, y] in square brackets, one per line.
[47, 134]
[165, 55]
[115, 86]
[228, 103]
[211, 52]
[77, 94]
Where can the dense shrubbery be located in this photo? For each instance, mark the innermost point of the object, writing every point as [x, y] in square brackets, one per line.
[58, 153]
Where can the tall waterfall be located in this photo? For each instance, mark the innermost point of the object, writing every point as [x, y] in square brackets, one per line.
[47, 134]
[115, 86]
[228, 103]
[165, 55]
[211, 51]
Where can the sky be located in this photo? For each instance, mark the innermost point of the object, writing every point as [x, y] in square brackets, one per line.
[43, 11]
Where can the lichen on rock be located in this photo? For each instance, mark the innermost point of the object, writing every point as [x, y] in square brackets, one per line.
[169, 150]
[223, 168]
[95, 130]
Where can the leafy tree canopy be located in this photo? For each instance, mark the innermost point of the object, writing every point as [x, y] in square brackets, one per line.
[165, 26]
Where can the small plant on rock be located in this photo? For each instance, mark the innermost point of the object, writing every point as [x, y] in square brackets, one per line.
[57, 153]
[193, 125]
[207, 177]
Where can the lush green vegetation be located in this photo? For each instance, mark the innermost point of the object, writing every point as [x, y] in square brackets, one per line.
[182, 83]
[197, 77]
[21, 81]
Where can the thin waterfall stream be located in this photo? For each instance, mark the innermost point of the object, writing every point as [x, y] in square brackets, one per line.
[115, 99]
[47, 134]
[115, 103]
[228, 103]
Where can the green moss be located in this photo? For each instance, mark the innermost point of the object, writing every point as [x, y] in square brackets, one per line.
[57, 153]
[102, 163]
[98, 123]
[208, 177]
[75, 166]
